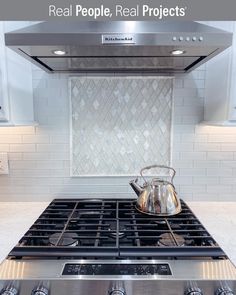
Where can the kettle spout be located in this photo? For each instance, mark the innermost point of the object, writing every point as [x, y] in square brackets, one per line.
[136, 187]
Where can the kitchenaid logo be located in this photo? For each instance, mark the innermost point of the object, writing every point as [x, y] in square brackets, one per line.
[145, 11]
[121, 39]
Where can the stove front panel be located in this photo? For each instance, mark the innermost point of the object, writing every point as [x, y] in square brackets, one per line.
[126, 287]
[169, 277]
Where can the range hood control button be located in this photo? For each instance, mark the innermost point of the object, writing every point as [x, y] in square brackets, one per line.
[10, 290]
[181, 38]
[224, 291]
[193, 291]
[174, 38]
[40, 291]
[194, 38]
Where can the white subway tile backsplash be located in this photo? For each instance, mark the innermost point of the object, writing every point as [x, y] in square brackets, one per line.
[231, 147]
[203, 156]
[193, 155]
[26, 147]
[59, 138]
[52, 147]
[186, 189]
[59, 156]
[203, 197]
[210, 180]
[4, 148]
[222, 189]
[29, 189]
[193, 101]
[13, 189]
[190, 119]
[189, 110]
[183, 147]
[16, 165]
[183, 180]
[15, 156]
[222, 138]
[10, 139]
[47, 164]
[178, 83]
[207, 147]
[220, 155]
[228, 181]
[178, 101]
[17, 130]
[226, 197]
[197, 74]
[206, 164]
[39, 83]
[35, 139]
[31, 173]
[220, 172]
[191, 137]
[215, 130]
[60, 172]
[182, 92]
[183, 163]
[193, 171]
[231, 164]
[35, 156]
[194, 83]
[180, 128]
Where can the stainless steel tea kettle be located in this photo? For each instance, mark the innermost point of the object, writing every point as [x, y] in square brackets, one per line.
[157, 197]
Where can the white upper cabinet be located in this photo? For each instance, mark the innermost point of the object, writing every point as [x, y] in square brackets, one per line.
[220, 102]
[16, 92]
[4, 108]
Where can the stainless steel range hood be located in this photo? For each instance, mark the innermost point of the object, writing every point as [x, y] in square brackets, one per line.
[119, 46]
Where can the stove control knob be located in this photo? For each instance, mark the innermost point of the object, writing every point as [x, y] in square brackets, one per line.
[224, 291]
[193, 291]
[117, 291]
[40, 291]
[9, 290]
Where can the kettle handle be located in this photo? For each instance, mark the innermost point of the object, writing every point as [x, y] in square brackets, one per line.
[158, 166]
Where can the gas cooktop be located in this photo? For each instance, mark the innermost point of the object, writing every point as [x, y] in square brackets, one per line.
[106, 228]
[77, 246]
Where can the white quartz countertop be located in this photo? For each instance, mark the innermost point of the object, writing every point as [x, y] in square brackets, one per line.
[219, 218]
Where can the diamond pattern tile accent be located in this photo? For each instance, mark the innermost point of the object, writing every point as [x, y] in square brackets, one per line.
[119, 124]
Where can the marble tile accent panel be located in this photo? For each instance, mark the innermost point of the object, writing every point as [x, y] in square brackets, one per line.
[119, 124]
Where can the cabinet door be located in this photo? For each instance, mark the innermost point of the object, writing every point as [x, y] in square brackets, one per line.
[4, 109]
[232, 105]
[3, 116]
[219, 108]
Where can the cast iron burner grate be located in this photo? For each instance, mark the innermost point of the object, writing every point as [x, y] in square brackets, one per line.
[107, 228]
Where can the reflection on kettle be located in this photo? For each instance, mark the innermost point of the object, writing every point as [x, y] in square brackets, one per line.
[157, 197]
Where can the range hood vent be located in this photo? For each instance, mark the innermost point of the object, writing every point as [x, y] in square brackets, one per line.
[119, 46]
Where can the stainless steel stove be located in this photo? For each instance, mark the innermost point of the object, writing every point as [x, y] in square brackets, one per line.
[107, 247]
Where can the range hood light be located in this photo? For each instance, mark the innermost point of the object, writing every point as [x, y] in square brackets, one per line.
[177, 52]
[59, 52]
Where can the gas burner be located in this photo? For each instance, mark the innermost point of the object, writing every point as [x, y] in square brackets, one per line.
[168, 239]
[114, 235]
[67, 239]
[159, 222]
